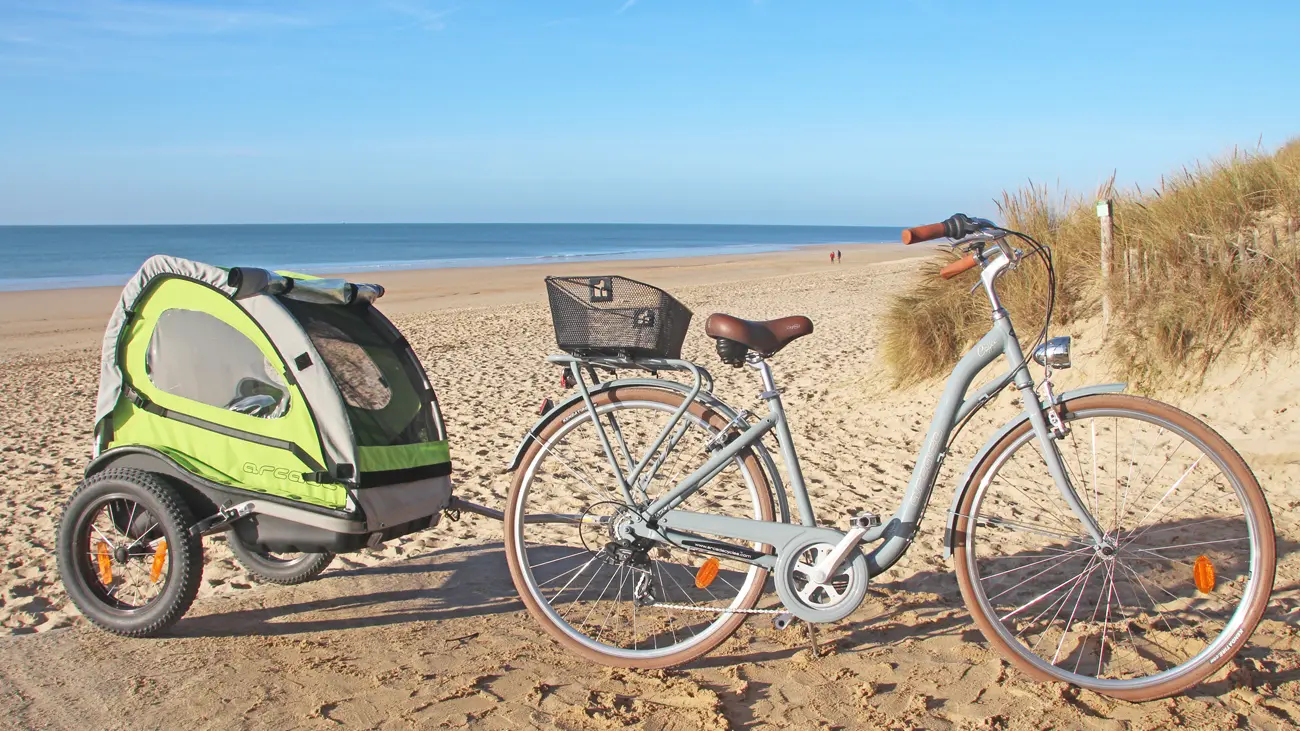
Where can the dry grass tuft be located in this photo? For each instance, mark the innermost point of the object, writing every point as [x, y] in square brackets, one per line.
[1207, 259]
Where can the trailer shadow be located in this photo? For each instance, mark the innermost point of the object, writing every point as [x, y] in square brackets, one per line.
[464, 581]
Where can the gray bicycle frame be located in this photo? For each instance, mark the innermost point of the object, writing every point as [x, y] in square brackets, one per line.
[660, 521]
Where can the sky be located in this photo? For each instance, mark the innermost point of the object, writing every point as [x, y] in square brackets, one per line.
[663, 111]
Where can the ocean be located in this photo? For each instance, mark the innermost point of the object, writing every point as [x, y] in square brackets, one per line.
[52, 257]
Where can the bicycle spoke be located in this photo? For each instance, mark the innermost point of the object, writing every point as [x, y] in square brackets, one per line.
[1022, 568]
[1125, 609]
[563, 479]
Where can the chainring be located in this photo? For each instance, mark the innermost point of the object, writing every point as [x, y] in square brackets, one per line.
[810, 601]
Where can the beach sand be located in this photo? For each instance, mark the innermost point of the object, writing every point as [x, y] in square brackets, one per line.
[427, 630]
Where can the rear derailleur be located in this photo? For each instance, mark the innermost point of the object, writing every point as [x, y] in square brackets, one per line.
[636, 558]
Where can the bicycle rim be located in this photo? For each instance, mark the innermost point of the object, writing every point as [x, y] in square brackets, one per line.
[121, 553]
[585, 599]
[1174, 591]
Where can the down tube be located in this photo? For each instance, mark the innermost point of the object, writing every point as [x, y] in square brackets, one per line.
[903, 526]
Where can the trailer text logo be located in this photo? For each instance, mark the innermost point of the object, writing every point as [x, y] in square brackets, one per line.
[279, 473]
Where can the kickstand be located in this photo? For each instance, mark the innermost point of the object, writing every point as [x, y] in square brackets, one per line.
[812, 639]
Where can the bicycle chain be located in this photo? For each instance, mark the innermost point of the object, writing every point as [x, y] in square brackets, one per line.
[719, 611]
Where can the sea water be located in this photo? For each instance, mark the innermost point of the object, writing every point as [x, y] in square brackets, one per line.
[47, 257]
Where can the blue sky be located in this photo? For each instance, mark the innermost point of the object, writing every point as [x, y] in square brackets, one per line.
[710, 111]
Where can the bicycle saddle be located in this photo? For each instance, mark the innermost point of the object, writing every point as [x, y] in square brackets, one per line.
[765, 337]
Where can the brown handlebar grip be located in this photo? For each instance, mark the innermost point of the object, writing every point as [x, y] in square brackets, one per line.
[917, 234]
[959, 266]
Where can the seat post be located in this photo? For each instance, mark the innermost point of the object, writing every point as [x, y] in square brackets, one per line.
[758, 363]
[772, 396]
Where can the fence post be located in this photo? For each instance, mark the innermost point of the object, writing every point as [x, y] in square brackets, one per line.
[1290, 240]
[1107, 250]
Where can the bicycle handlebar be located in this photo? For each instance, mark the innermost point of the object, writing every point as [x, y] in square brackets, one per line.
[928, 232]
[958, 226]
[957, 267]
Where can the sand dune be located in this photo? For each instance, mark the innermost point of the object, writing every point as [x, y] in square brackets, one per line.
[427, 630]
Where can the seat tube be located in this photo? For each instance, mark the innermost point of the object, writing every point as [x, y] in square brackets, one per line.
[773, 398]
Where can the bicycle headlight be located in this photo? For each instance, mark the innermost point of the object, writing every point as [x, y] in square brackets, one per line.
[1055, 353]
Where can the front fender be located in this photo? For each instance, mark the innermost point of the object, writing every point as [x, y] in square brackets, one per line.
[704, 397]
[964, 485]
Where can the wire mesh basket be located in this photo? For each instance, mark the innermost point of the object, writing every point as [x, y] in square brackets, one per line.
[613, 315]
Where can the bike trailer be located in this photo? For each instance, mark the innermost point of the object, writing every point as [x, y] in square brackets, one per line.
[283, 405]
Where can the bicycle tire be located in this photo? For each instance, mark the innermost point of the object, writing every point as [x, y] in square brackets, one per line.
[1176, 679]
[724, 629]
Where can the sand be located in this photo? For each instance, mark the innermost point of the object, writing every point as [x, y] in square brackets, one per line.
[428, 631]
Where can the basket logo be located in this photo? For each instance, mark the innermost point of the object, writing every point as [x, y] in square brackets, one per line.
[643, 318]
[279, 473]
[602, 289]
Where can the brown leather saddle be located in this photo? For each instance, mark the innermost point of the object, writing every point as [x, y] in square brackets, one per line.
[734, 336]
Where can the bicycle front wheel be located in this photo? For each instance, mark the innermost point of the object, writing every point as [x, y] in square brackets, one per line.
[1176, 588]
[651, 605]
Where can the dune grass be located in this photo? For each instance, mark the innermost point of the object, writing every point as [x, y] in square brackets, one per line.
[1206, 261]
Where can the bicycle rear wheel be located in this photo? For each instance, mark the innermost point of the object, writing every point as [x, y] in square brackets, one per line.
[1180, 582]
[600, 597]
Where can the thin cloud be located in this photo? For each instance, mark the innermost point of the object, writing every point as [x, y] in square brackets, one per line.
[422, 16]
[142, 18]
[627, 5]
[16, 39]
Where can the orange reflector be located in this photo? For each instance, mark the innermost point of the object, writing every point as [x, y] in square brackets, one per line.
[105, 564]
[159, 558]
[1203, 574]
[707, 573]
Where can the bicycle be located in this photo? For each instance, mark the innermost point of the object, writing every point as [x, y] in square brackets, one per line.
[1135, 572]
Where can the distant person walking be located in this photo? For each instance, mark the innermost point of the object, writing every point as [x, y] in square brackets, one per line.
[832, 257]
[839, 256]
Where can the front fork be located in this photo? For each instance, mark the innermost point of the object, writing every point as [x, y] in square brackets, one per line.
[1047, 436]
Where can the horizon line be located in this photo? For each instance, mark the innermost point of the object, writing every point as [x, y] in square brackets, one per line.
[443, 223]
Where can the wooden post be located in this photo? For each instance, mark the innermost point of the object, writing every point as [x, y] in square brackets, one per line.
[1128, 275]
[1107, 246]
[1291, 242]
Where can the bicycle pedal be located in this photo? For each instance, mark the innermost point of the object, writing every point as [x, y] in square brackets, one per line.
[864, 520]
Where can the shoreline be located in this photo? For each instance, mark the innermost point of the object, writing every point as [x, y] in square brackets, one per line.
[330, 248]
[43, 320]
[94, 281]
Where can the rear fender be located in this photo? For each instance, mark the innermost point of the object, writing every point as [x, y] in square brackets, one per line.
[704, 397]
[203, 497]
[964, 485]
[202, 503]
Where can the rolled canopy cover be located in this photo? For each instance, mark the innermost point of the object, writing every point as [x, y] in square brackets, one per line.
[249, 281]
[110, 376]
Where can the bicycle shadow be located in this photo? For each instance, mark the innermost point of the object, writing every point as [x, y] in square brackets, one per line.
[927, 604]
[472, 581]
